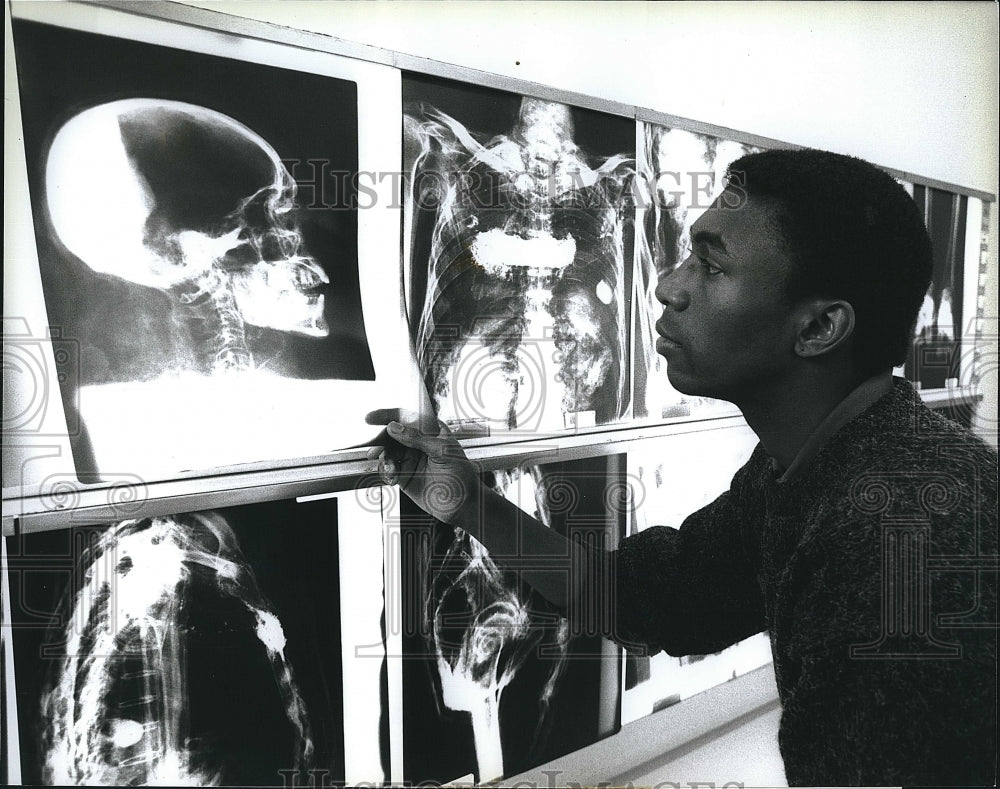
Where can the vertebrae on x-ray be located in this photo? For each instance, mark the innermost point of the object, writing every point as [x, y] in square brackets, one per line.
[524, 315]
[187, 200]
[117, 709]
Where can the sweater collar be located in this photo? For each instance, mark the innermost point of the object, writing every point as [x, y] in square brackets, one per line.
[856, 403]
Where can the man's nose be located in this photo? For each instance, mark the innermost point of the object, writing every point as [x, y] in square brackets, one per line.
[671, 291]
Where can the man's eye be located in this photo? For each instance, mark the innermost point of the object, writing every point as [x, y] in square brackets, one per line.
[708, 267]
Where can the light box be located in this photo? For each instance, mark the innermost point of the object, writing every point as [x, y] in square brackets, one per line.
[204, 269]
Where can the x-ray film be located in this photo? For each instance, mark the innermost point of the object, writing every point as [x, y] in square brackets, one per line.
[667, 482]
[936, 353]
[197, 649]
[200, 228]
[681, 172]
[494, 681]
[518, 237]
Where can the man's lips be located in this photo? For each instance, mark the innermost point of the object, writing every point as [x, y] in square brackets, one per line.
[662, 331]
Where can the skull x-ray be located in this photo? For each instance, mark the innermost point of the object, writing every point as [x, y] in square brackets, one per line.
[197, 233]
[192, 649]
[494, 680]
[519, 233]
[681, 172]
[193, 203]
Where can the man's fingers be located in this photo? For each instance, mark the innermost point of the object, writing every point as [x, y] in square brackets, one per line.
[407, 435]
[422, 423]
[383, 416]
[388, 470]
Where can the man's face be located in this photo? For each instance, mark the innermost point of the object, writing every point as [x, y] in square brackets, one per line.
[727, 329]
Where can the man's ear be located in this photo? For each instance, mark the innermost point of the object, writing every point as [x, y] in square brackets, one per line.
[824, 326]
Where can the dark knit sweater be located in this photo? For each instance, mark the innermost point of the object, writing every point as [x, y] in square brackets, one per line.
[873, 571]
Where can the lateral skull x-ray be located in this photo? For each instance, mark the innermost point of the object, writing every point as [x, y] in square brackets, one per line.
[196, 258]
[520, 271]
[187, 200]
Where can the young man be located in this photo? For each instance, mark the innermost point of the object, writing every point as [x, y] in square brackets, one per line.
[862, 532]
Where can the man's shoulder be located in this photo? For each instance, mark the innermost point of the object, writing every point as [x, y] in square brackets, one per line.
[903, 463]
[930, 442]
[901, 432]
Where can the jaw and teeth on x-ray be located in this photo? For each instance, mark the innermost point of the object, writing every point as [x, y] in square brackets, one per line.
[187, 200]
[523, 324]
[118, 709]
[481, 631]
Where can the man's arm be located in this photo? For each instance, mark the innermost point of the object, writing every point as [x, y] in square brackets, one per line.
[689, 591]
[432, 469]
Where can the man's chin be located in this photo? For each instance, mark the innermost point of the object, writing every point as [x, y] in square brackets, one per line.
[682, 383]
[688, 384]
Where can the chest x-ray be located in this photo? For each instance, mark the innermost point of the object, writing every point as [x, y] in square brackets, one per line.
[193, 649]
[197, 233]
[681, 172]
[495, 682]
[520, 255]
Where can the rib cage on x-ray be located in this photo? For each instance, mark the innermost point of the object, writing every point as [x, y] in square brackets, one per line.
[522, 322]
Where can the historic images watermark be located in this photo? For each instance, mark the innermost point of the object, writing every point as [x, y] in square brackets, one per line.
[320, 185]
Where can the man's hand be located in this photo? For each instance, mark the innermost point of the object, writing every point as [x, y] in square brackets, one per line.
[428, 464]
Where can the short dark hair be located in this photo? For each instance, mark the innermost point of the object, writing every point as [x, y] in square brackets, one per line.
[853, 233]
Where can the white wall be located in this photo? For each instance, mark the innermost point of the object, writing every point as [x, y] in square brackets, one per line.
[908, 85]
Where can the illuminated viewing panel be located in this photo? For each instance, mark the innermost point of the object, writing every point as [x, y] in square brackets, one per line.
[199, 245]
[494, 680]
[519, 226]
[199, 648]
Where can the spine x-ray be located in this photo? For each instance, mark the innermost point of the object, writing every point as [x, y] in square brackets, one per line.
[192, 649]
[518, 229]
